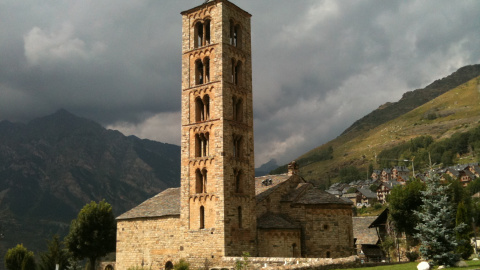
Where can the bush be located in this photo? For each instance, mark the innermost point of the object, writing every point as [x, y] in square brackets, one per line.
[182, 265]
[377, 206]
[412, 256]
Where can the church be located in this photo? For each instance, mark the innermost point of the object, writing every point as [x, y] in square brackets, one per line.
[221, 210]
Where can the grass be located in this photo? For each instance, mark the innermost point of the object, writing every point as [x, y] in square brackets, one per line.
[413, 265]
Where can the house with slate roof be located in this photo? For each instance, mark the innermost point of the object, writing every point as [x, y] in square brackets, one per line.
[221, 210]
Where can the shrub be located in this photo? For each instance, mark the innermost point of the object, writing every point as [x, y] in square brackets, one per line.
[182, 265]
[412, 255]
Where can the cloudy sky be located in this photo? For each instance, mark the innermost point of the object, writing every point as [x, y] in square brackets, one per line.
[318, 65]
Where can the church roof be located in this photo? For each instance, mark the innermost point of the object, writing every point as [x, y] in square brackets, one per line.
[362, 232]
[166, 203]
[266, 185]
[315, 196]
[273, 221]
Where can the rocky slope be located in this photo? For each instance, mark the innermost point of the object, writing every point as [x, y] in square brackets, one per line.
[52, 166]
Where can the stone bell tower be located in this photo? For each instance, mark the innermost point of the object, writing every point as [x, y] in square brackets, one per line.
[218, 183]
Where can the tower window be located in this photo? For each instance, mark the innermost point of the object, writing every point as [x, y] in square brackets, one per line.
[237, 175]
[236, 72]
[240, 217]
[202, 217]
[201, 181]
[235, 34]
[202, 108]
[202, 71]
[202, 34]
[201, 145]
[237, 146]
[237, 109]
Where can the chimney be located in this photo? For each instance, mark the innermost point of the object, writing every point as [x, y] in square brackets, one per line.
[292, 168]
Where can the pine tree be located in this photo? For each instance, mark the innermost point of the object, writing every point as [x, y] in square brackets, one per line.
[464, 248]
[436, 229]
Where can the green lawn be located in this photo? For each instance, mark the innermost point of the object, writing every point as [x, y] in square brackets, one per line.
[413, 266]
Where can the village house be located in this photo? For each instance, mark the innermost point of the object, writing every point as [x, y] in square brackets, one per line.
[221, 210]
[384, 189]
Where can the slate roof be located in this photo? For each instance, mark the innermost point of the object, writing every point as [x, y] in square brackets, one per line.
[262, 191]
[362, 232]
[273, 221]
[315, 196]
[166, 203]
[367, 193]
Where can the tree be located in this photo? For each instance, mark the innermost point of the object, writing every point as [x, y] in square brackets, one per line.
[93, 233]
[436, 227]
[403, 201]
[19, 258]
[349, 174]
[463, 235]
[55, 254]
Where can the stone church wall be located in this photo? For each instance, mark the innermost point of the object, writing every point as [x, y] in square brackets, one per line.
[148, 242]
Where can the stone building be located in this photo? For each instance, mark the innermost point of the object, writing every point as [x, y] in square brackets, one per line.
[221, 210]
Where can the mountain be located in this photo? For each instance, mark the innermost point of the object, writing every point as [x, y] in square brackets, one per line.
[453, 101]
[265, 169]
[52, 166]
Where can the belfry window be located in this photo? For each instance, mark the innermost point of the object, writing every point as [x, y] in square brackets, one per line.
[201, 145]
[202, 108]
[237, 146]
[236, 72]
[235, 34]
[237, 175]
[201, 181]
[202, 34]
[202, 71]
[237, 109]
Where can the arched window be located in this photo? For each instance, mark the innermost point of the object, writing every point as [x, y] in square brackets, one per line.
[202, 217]
[237, 109]
[236, 72]
[235, 34]
[169, 265]
[240, 217]
[206, 64]
[201, 181]
[198, 34]
[202, 108]
[199, 76]
[202, 71]
[237, 146]
[294, 250]
[201, 145]
[199, 110]
[207, 32]
[237, 175]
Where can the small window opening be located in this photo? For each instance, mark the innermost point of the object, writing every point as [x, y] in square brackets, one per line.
[202, 109]
[328, 254]
[237, 109]
[294, 250]
[199, 75]
[238, 180]
[207, 32]
[201, 181]
[202, 217]
[239, 210]
[199, 34]
[237, 146]
[207, 69]
[236, 72]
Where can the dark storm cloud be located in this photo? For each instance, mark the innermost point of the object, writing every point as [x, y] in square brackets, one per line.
[318, 65]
